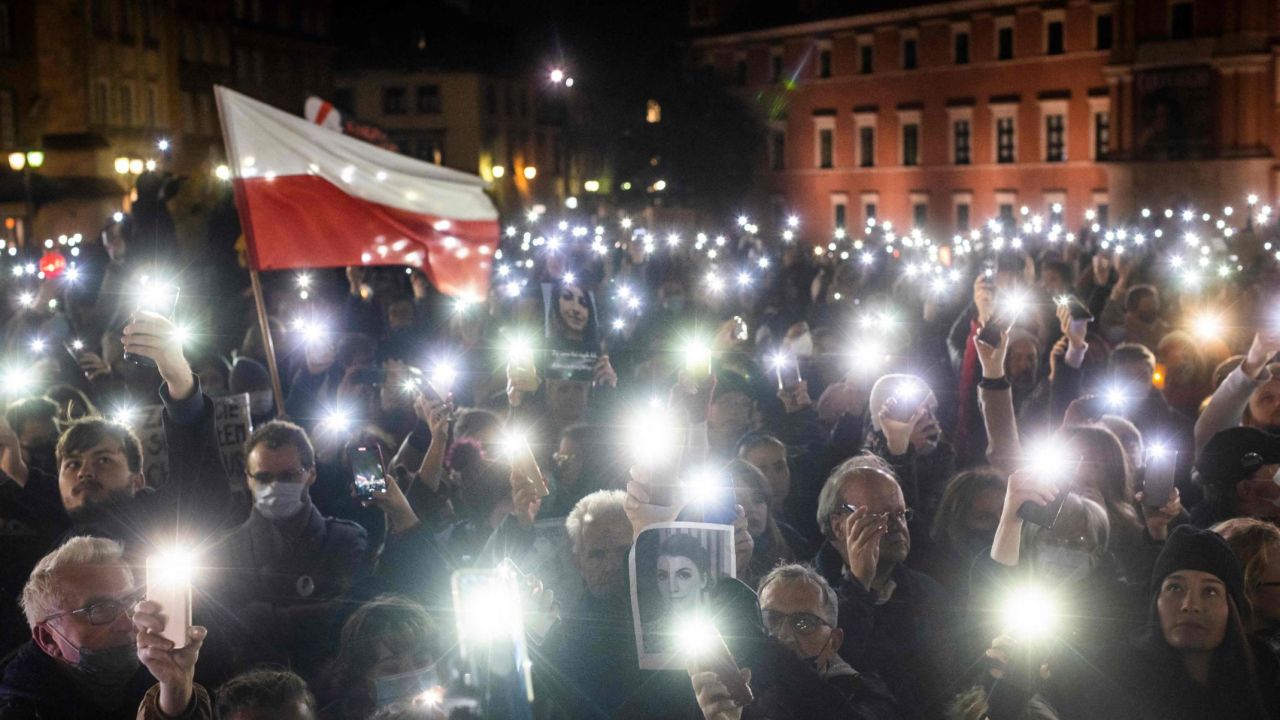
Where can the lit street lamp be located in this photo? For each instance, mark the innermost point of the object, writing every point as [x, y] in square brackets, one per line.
[24, 162]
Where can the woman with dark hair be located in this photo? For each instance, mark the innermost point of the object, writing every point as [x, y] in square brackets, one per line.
[683, 574]
[1105, 477]
[1192, 661]
[571, 315]
[775, 541]
[386, 654]
[581, 464]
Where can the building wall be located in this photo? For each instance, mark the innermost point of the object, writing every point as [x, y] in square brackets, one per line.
[1222, 80]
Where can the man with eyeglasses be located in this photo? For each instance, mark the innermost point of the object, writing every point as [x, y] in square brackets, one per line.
[91, 638]
[287, 552]
[894, 619]
[807, 677]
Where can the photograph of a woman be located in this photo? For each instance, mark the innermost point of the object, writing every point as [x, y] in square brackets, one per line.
[675, 568]
[571, 329]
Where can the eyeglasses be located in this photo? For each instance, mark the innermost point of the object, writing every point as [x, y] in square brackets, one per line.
[105, 612]
[901, 515]
[802, 624]
[561, 459]
[288, 476]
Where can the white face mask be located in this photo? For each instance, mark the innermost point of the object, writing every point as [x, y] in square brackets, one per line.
[279, 499]
[800, 347]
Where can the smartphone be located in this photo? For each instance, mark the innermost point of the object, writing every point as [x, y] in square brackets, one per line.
[161, 300]
[366, 469]
[490, 626]
[169, 586]
[1158, 476]
[995, 329]
[719, 507]
[1046, 516]
[75, 349]
[989, 267]
[740, 331]
[909, 398]
[369, 376]
[1077, 308]
[719, 660]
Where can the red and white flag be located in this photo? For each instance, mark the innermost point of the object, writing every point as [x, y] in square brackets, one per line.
[309, 197]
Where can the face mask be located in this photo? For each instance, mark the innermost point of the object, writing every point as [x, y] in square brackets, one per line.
[801, 346]
[1063, 564]
[279, 500]
[405, 686]
[103, 674]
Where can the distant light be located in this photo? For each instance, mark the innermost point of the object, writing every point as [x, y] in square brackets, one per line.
[530, 172]
[497, 171]
[557, 75]
[571, 202]
[222, 172]
[660, 185]
[591, 186]
[162, 145]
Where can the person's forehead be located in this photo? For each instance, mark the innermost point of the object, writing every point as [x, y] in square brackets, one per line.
[39, 427]
[768, 452]
[607, 532]
[871, 488]
[791, 595]
[675, 561]
[105, 446]
[1194, 576]
[263, 456]
[82, 584]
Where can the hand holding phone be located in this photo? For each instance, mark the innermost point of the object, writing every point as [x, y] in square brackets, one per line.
[161, 299]
[1062, 480]
[367, 473]
[717, 659]
[1158, 475]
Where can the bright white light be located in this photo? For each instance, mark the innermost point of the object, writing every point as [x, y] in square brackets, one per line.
[1048, 459]
[1207, 327]
[181, 334]
[1115, 397]
[519, 350]
[26, 300]
[1029, 613]
[337, 420]
[162, 145]
[1157, 450]
[303, 280]
[73, 274]
[443, 376]
[697, 636]
[222, 172]
[793, 221]
[557, 75]
[744, 279]
[37, 345]
[171, 568]
[125, 414]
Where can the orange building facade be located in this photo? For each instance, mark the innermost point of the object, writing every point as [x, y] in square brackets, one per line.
[945, 114]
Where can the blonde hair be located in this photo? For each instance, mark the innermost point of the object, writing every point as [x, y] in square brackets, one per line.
[44, 595]
[592, 508]
[1256, 544]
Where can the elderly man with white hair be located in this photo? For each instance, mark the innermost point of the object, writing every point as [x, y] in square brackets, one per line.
[96, 649]
[904, 431]
[894, 619]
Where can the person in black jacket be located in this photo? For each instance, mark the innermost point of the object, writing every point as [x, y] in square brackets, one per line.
[100, 462]
[90, 641]
[799, 609]
[895, 620]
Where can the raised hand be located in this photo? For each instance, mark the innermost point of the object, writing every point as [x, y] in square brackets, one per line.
[173, 669]
[862, 532]
[155, 337]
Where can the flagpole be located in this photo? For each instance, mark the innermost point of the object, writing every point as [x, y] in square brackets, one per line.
[265, 328]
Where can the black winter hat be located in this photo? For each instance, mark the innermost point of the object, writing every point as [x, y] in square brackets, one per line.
[1190, 548]
[1234, 454]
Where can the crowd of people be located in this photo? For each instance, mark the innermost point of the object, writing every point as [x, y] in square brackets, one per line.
[1044, 485]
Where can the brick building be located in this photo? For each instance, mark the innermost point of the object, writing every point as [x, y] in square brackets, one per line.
[945, 114]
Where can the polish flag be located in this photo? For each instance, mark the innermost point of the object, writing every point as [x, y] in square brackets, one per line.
[309, 197]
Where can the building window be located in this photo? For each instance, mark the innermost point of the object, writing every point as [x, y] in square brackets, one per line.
[1101, 133]
[909, 59]
[911, 144]
[866, 146]
[393, 101]
[151, 101]
[840, 213]
[960, 48]
[962, 216]
[428, 99]
[126, 104]
[919, 213]
[1004, 43]
[869, 210]
[866, 58]
[1005, 138]
[826, 138]
[102, 17]
[6, 30]
[1005, 211]
[962, 133]
[653, 112]
[776, 59]
[777, 150]
[1181, 20]
[1103, 31]
[824, 63]
[1055, 138]
[126, 26]
[1055, 43]
[1104, 214]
